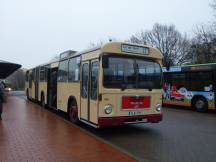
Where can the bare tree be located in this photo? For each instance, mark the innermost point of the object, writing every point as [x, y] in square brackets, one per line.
[204, 33]
[213, 23]
[101, 42]
[204, 44]
[94, 45]
[55, 58]
[174, 47]
[213, 5]
[204, 41]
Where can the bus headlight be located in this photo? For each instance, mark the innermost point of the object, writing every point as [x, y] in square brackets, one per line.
[108, 109]
[158, 107]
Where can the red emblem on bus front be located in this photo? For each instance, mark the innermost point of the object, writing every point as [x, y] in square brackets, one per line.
[134, 102]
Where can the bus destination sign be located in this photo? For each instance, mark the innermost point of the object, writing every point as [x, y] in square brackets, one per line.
[135, 49]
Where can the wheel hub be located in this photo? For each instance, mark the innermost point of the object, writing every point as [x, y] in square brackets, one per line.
[200, 104]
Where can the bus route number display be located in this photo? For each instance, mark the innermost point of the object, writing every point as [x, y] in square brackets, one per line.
[135, 49]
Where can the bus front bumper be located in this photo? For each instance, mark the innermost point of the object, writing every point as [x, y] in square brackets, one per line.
[114, 121]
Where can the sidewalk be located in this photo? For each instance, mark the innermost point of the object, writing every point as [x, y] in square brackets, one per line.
[30, 133]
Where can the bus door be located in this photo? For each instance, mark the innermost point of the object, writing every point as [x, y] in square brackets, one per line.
[52, 87]
[89, 91]
[36, 83]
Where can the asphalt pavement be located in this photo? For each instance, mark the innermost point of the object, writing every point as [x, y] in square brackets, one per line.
[182, 136]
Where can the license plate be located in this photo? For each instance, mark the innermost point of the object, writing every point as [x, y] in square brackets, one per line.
[134, 113]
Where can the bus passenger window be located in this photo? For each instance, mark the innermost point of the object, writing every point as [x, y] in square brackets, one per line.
[74, 65]
[27, 76]
[30, 79]
[199, 80]
[85, 80]
[42, 73]
[63, 71]
[94, 80]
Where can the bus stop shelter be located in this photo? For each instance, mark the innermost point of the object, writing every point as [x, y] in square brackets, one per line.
[7, 68]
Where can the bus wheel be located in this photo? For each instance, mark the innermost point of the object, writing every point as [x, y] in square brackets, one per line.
[43, 101]
[73, 112]
[200, 104]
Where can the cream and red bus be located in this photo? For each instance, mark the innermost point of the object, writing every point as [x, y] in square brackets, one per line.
[115, 84]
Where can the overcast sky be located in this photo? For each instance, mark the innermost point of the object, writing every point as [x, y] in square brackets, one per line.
[32, 32]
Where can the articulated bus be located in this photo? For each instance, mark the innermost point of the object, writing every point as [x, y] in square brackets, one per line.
[191, 86]
[115, 84]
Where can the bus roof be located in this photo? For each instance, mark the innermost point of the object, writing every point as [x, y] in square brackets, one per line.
[113, 47]
[123, 48]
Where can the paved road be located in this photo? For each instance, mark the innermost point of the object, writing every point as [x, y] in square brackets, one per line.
[30, 133]
[183, 136]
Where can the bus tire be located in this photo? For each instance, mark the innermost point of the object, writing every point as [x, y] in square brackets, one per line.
[42, 101]
[200, 104]
[73, 111]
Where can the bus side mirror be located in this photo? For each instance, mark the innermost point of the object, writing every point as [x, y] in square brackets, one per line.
[105, 62]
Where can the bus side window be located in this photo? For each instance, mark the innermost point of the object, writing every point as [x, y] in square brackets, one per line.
[27, 76]
[73, 73]
[30, 79]
[46, 68]
[94, 80]
[85, 80]
[63, 71]
[199, 80]
[42, 73]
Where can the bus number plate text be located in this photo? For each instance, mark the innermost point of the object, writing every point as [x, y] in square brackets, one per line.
[134, 113]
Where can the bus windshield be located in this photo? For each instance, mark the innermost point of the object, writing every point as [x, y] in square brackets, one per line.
[122, 72]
